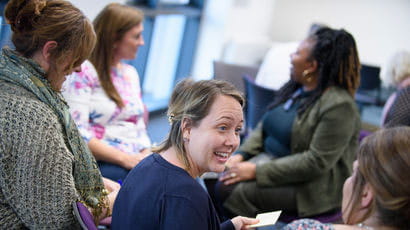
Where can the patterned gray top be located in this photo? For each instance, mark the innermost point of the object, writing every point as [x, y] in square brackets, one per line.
[399, 112]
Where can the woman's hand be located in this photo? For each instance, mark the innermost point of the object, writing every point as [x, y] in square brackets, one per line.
[233, 160]
[239, 172]
[111, 185]
[113, 188]
[111, 199]
[242, 223]
[131, 160]
[107, 153]
[146, 152]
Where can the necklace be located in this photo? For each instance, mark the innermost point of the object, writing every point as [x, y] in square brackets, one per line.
[361, 225]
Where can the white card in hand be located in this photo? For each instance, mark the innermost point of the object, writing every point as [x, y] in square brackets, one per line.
[265, 219]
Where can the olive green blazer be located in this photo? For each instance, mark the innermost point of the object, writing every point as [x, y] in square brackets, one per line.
[323, 144]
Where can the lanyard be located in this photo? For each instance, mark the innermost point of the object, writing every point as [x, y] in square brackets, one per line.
[288, 104]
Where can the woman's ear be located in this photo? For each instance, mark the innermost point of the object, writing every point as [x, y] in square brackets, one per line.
[313, 66]
[43, 55]
[47, 48]
[186, 126]
[367, 196]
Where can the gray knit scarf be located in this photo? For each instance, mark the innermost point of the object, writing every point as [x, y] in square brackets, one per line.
[28, 74]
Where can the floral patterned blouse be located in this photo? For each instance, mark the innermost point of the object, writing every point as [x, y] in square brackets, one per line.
[308, 224]
[98, 116]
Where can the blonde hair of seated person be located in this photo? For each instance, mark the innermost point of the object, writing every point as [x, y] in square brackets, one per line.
[193, 103]
[397, 69]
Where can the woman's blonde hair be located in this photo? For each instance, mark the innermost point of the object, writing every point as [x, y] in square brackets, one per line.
[35, 22]
[110, 25]
[193, 100]
[397, 69]
[384, 164]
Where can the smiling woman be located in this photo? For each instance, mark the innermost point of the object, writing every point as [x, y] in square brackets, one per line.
[161, 192]
[105, 96]
[305, 136]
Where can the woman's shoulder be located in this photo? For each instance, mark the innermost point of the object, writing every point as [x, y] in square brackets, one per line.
[337, 93]
[128, 66]
[308, 224]
[87, 70]
[335, 96]
[404, 92]
[87, 65]
[26, 116]
[87, 77]
[129, 69]
[17, 100]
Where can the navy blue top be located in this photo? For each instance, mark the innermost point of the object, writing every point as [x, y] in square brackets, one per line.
[159, 195]
[277, 128]
[277, 124]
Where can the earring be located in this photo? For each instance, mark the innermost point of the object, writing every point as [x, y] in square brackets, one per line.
[185, 139]
[306, 75]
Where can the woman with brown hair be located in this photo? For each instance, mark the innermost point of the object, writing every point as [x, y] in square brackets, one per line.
[45, 165]
[105, 97]
[377, 194]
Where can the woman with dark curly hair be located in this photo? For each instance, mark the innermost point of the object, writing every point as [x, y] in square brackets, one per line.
[310, 135]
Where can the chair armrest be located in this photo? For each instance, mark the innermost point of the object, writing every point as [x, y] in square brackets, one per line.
[84, 216]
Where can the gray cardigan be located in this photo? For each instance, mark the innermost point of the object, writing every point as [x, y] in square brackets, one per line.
[323, 144]
[36, 181]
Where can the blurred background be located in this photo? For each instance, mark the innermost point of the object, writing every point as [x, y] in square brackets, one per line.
[183, 38]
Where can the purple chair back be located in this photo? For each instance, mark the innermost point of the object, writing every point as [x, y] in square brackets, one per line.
[363, 134]
[84, 217]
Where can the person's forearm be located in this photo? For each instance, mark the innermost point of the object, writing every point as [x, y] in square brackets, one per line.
[104, 152]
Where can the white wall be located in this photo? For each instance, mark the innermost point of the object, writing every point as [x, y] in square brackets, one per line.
[225, 21]
[249, 19]
[380, 27]
[211, 37]
[92, 7]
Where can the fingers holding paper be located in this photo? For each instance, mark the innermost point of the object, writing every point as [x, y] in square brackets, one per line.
[261, 220]
[242, 223]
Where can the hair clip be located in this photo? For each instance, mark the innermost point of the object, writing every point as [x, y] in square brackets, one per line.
[171, 118]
